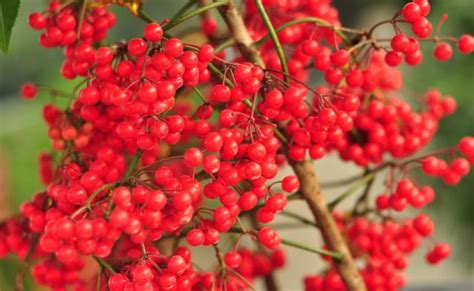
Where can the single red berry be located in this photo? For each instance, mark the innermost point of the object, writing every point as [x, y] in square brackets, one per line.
[393, 58]
[443, 51]
[423, 225]
[37, 21]
[29, 90]
[136, 47]
[466, 44]
[411, 11]
[310, 47]
[193, 157]
[466, 145]
[153, 32]
[400, 43]
[422, 27]
[232, 259]
[290, 184]
[340, 58]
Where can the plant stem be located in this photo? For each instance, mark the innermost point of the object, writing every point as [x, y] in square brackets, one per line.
[145, 16]
[182, 10]
[318, 21]
[298, 217]
[99, 277]
[225, 45]
[274, 36]
[238, 30]
[335, 255]
[104, 264]
[91, 198]
[359, 183]
[331, 234]
[132, 165]
[193, 13]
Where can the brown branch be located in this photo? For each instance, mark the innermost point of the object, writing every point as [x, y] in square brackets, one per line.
[239, 31]
[304, 170]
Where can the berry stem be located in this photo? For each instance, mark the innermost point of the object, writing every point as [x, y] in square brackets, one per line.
[361, 182]
[145, 16]
[132, 165]
[335, 255]
[104, 264]
[99, 277]
[298, 217]
[193, 13]
[182, 10]
[318, 21]
[87, 205]
[274, 37]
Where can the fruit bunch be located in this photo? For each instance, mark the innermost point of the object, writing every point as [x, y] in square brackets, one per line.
[168, 146]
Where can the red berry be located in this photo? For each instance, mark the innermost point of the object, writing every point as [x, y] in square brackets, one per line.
[466, 145]
[232, 259]
[136, 47]
[423, 225]
[466, 44]
[411, 12]
[29, 90]
[153, 32]
[443, 51]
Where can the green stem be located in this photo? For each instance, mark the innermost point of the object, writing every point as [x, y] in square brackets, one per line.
[335, 255]
[104, 264]
[182, 10]
[274, 37]
[298, 217]
[89, 200]
[318, 21]
[193, 13]
[362, 181]
[225, 45]
[217, 72]
[99, 277]
[133, 165]
[145, 16]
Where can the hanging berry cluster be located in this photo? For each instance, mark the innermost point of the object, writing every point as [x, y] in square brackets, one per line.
[164, 140]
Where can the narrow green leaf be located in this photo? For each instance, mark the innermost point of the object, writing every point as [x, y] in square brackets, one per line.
[8, 14]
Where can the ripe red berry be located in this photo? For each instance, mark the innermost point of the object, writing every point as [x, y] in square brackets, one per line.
[195, 237]
[310, 47]
[37, 21]
[340, 57]
[232, 259]
[290, 183]
[136, 47]
[153, 32]
[466, 145]
[466, 44]
[393, 58]
[193, 157]
[28, 90]
[443, 51]
[423, 225]
[400, 43]
[422, 27]
[411, 12]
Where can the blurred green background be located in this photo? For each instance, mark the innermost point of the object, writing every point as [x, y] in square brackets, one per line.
[23, 134]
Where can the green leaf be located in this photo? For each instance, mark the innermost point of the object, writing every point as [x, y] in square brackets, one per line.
[8, 14]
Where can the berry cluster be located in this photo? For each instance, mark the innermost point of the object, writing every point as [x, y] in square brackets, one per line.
[74, 28]
[166, 140]
[384, 248]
